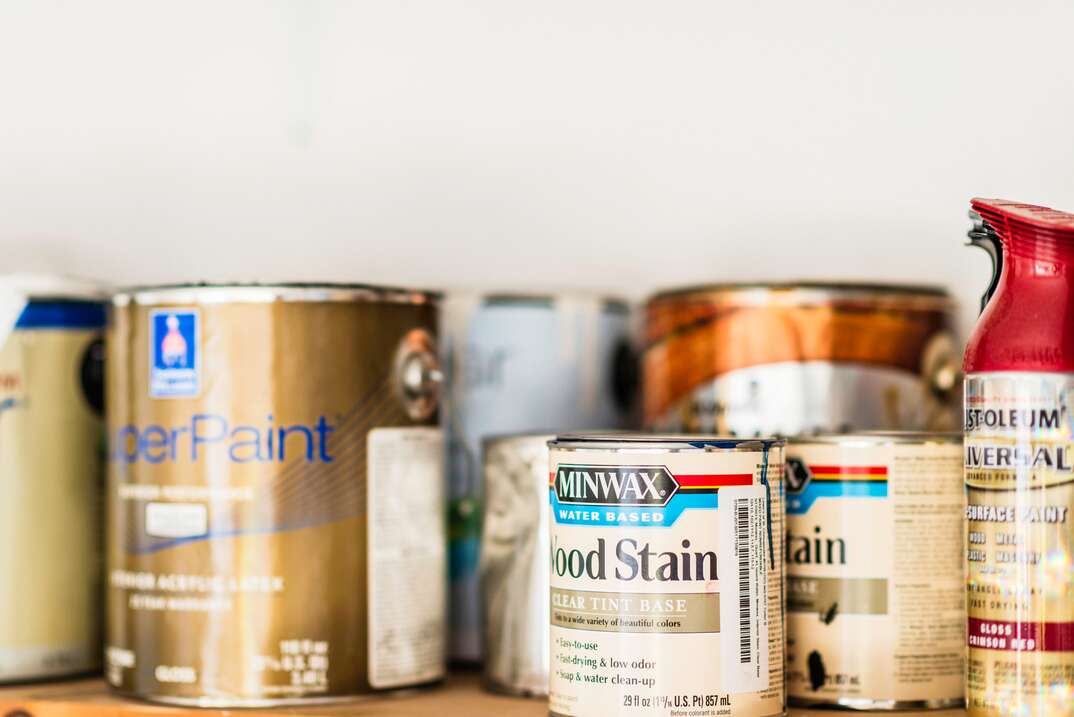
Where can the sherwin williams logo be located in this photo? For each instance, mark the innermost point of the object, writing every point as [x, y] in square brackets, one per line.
[615, 485]
[175, 369]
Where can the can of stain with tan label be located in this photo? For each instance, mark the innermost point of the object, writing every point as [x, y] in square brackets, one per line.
[875, 593]
[51, 471]
[275, 491]
[667, 577]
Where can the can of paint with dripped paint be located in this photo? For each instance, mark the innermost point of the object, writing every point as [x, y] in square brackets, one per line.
[275, 489]
[51, 429]
[667, 577]
[875, 592]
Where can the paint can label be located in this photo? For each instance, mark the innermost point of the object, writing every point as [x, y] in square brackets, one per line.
[875, 595]
[1019, 472]
[407, 567]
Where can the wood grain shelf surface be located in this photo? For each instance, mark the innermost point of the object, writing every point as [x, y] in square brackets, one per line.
[460, 696]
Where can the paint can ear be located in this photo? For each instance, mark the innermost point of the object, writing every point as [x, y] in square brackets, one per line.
[418, 377]
[91, 376]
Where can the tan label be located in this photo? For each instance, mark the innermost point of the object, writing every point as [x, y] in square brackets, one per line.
[875, 591]
[849, 596]
[407, 566]
[1019, 464]
[636, 612]
[666, 588]
[50, 517]
[241, 547]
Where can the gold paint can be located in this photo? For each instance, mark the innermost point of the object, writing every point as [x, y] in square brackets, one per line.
[275, 489]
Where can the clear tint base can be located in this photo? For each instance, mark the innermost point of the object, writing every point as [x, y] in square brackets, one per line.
[666, 580]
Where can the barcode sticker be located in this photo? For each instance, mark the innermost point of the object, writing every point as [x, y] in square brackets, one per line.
[744, 582]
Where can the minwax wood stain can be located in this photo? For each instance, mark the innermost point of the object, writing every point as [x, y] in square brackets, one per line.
[667, 577]
[874, 551]
[276, 527]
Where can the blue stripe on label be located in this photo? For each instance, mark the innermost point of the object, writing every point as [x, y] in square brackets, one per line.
[800, 503]
[61, 315]
[610, 515]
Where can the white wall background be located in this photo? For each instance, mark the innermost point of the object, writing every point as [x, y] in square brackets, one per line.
[612, 144]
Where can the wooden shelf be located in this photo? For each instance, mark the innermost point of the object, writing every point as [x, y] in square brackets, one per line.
[460, 696]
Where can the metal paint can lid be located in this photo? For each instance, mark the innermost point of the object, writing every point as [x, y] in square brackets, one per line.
[632, 441]
[256, 292]
[881, 438]
[18, 290]
[806, 292]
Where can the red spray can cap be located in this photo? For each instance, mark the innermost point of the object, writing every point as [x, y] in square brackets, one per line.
[1024, 325]
[1016, 222]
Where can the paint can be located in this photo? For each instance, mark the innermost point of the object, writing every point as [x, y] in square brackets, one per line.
[51, 371]
[667, 577]
[518, 363]
[799, 358]
[875, 592]
[514, 564]
[275, 486]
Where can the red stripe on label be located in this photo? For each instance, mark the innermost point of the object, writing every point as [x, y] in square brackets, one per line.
[853, 470]
[696, 481]
[714, 481]
[1020, 636]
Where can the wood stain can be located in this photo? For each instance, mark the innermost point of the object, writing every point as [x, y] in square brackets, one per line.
[275, 490]
[875, 589]
[788, 359]
[51, 471]
[667, 577]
